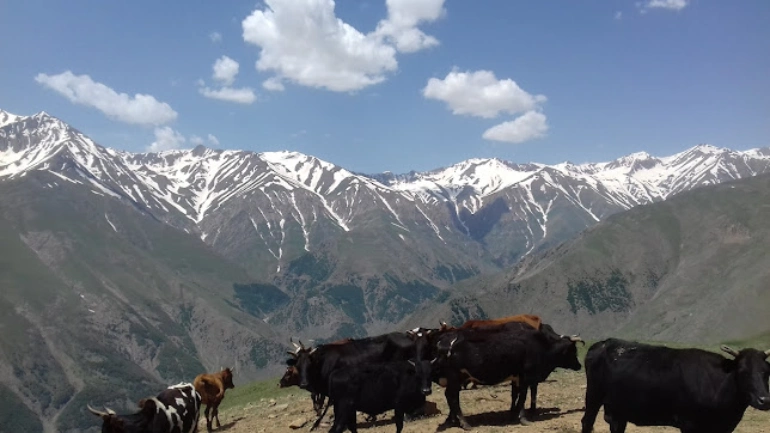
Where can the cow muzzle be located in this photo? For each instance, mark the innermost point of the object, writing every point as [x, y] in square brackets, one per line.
[304, 385]
[762, 403]
[427, 391]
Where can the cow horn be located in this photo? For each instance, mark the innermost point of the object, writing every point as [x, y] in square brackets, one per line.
[452, 343]
[576, 338]
[296, 346]
[96, 412]
[314, 349]
[109, 411]
[300, 344]
[730, 350]
[767, 352]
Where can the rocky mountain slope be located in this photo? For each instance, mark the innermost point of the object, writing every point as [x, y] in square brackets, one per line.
[365, 250]
[693, 269]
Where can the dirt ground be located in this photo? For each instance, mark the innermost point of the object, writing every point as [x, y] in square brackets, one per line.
[560, 403]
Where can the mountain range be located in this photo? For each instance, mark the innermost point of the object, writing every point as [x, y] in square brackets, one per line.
[692, 269]
[143, 268]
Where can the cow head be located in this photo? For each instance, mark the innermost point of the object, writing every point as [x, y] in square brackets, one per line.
[301, 360]
[113, 423]
[227, 377]
[423, 372]
[422, 338]
[565, 351]
[290, 377]
[753, 373]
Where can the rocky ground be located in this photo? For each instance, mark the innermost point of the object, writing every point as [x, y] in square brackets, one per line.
[560, 401]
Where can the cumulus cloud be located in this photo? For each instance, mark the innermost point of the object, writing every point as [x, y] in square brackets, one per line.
[242, 95]
[81, 89]
[528, 126]
[303, 41]
[400, 28]
[273, 84]
[225, 70]
[480, 94]
[674, 5]
[618, 15]
[214, 141]
[215, 37]
[166, 139]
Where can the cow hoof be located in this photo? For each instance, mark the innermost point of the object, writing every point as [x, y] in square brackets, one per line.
[525, 421]
[464, 425]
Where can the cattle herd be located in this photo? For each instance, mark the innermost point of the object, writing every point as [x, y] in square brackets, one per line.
[690, 389]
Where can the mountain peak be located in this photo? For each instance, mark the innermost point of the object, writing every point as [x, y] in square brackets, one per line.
[7, 118]
[199, 150]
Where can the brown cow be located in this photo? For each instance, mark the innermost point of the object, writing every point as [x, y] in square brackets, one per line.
[529, 319]
[212, 388]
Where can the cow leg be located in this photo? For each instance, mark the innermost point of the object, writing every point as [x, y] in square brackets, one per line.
[522, 416]
[208, 419]
[533, 399]
[399, 417]
[452, 395]
[616, 425]
[215, 414]
[320, 417]
[594, 401]
[341, 416]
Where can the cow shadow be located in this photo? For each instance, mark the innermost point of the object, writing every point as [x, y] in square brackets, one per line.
[505, 417]
[227, 425]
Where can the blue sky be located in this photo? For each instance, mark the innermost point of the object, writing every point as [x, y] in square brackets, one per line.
[398, 85]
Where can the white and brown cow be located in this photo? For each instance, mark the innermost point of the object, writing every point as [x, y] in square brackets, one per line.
[174, 410]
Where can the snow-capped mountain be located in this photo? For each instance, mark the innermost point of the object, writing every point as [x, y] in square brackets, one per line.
[275, 206]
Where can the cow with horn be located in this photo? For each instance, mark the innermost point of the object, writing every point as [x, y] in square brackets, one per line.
[175, 409]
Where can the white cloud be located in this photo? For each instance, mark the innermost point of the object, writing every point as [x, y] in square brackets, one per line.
[304, 42]
[674, 5]
[225, 70]
[214, 141]
[618, 15]
[166, 139]
[273, 84]
[81, 89]
[215, 37]
[404, 16]
[528, 126]
[480, 94]
[195, 140]
[242, 95]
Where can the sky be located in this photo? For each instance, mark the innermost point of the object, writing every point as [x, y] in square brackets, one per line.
[396, 85]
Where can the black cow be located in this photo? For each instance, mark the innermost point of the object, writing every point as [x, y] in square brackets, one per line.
[315, 365]
[510, 326]
[174, 410]
[375, 388]
[690, 389]
[492, 355]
